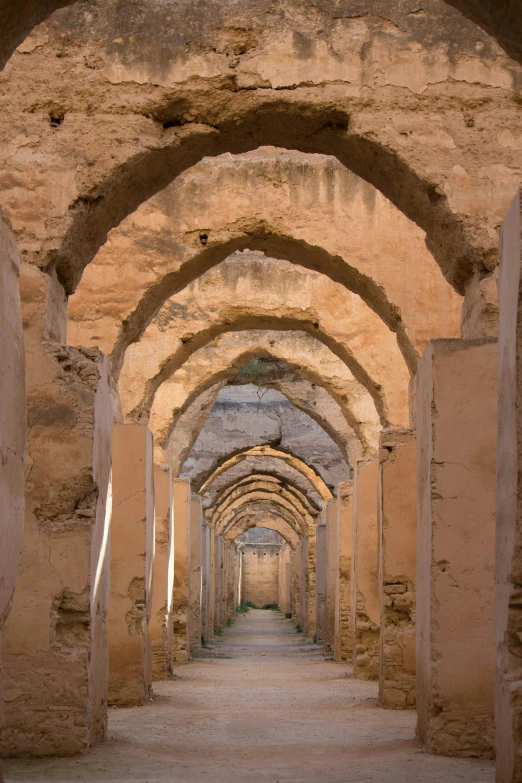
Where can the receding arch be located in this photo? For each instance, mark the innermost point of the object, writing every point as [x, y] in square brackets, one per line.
[268, 478]
[292, 122]
[267, 451]
[249, 324]
[268, 518]
[267, 466]
[275, 246]
[257, 507]
[309, 358]
[255, 493]
[307, 397]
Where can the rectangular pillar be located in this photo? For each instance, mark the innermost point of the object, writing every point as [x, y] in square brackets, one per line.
[295, 562]
[343, 645]
[508, 614]
[181, 501]
[132, 555]
[365, 589]
[55, 667]
[160, 626]
[303, 585]
[332, 526]
[456, 447]
[205, 582]
[195, 575]
[321, 581]
[397, 531]
[284, 600]
[310, 588]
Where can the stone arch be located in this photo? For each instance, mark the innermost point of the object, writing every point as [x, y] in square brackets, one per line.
[231, 351]
[307, 397]
[320, 216]
[260, 465]
[246, 482]
[268, 451]
[299, 124]
[258, 491]
[279, 296]
[271, 519]
[259, 506]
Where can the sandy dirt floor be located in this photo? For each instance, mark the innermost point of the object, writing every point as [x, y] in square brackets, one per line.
[263, 705]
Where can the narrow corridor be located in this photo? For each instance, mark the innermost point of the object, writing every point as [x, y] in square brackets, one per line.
[262, 704]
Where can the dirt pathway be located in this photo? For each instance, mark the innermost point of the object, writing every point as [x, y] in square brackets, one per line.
[264, 706]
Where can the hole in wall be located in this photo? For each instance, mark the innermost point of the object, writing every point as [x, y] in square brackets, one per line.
[56, 119]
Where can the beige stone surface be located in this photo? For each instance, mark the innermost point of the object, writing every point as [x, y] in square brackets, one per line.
[344, 635]
[275, 694]
[332, 524]
[321, 580]
[273, 467]
[12, 426]
[284, 591]
[181, 498]
[313, 186]
[160, 625]
[365, 617]
[508, 623]
[247, 415]
[312, 360]
[456, 442]
[403, 82]
[362, 231]
[260, 573]
[55, 647]
[397, 553]
[132, 566]
[195, 548]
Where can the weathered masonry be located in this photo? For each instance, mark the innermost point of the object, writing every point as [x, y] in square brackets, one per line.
[259, 329]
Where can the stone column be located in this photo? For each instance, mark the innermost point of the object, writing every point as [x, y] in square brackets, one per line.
[456, 454]
[284, 600]
[55, 646]
[205, 581]
[397, 523]
[212, 583]
[12, 427]
[321, 581]
[365, 589]
[132, 556]
[181, 500]
[310, 588]
[332, 526]
[195, 549]
[160, 626]
[508, 606]
[218, 571]
[296, 583]
[303, 586]
[343, 648]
